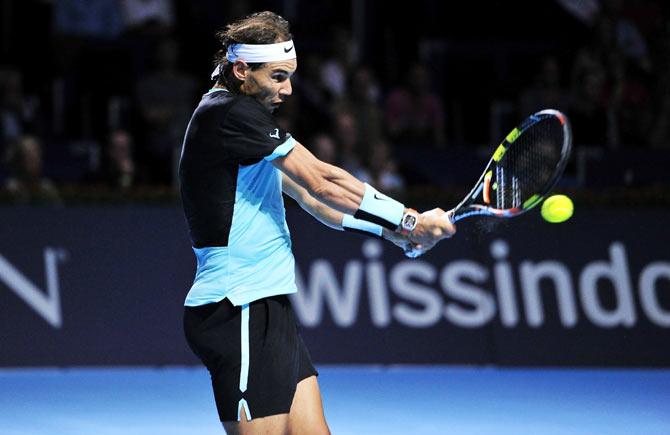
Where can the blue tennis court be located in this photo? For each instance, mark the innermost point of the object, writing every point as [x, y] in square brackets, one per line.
[358, 400]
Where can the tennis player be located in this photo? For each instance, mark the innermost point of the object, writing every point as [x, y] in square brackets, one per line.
[235, 163]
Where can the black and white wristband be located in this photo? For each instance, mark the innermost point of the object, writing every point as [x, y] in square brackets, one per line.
[350, 223]
[380, 209]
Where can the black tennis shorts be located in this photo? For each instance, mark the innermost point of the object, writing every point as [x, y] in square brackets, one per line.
[254, 354]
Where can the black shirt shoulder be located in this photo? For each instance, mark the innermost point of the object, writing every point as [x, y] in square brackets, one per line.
[246, 129]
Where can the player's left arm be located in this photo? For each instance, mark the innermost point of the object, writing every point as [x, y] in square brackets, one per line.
[329, 216]
[324, 214]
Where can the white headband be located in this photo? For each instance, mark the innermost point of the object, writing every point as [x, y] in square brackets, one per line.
[258, 53]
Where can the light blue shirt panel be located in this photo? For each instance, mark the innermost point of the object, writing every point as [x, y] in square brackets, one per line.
[260, 243]
[211, 276]
[282, 149]
[258, 261]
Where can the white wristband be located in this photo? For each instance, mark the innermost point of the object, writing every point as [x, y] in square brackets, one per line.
[380, 209]
[350, 223]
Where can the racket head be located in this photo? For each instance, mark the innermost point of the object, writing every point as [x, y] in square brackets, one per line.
[523, 170]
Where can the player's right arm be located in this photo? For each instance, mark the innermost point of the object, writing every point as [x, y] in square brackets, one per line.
[327, 183]
[341, 191]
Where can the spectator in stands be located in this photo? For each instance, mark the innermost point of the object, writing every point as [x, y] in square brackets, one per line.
[165, 98]
[660, 132]
[588, 110]
[324, 147]
[19, 114]
[633, 106]
[336, 68]
[85, 42]
[631, 99]
[629, 40]
[27, 184]
[414, 113]
[345, 132]
[146, 24]
[313, 95]
[148, 15]
[91, 19]
[382, 169]
[615, 65]
[595, 80]
[546, 91]
[119, 171]
[361, 101]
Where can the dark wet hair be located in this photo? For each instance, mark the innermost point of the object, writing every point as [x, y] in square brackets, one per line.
[258, 28]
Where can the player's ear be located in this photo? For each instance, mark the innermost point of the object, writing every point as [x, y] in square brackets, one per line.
[240, 70]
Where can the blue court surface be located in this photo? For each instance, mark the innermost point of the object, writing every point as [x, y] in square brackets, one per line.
[358, 400]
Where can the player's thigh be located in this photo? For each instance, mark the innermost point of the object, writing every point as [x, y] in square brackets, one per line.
[306, 416]
[270, 425]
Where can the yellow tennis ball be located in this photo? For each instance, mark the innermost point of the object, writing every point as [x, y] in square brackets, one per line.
[557, 208]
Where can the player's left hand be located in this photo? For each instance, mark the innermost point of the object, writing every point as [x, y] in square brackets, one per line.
[410, 249]
[397, 239]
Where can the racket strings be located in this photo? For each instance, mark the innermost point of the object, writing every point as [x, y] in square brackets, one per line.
[529, 163]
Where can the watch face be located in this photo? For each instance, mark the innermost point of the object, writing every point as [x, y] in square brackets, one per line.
[409, 222]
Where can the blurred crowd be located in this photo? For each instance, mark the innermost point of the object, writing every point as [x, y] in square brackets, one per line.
[108, 109]
[616, 89]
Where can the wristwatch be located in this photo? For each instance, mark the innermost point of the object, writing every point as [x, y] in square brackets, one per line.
[408, 222]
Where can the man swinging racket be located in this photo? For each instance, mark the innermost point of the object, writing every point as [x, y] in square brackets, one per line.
[235, 163]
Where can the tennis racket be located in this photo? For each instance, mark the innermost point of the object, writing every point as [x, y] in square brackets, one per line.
[522, 171]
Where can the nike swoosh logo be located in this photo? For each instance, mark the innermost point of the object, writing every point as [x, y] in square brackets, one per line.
[286, 50]
[275, 134]
[381, 198]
